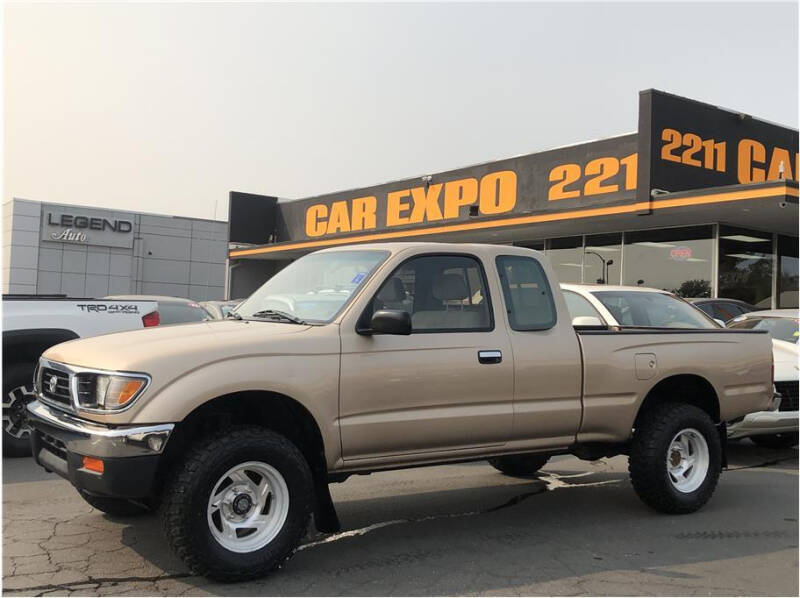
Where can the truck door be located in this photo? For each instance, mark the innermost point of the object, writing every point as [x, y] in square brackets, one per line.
[448, 385]
[547, 362]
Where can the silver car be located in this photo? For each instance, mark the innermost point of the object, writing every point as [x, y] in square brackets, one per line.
[775, 429]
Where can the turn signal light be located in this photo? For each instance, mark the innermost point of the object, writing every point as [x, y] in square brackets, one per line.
[92, 464]
[129, 390]
[151, 319]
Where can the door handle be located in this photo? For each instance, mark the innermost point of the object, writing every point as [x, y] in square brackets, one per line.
[490, 356]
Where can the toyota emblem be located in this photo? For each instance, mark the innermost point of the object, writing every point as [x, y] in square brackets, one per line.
[52, 384]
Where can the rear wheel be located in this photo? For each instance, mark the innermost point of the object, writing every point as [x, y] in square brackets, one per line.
[519, 465]
[776, 441]
[675, 458]
[238, 505]
[17, 393]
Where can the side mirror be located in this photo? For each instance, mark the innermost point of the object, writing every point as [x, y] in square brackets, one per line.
[390, 321]
[720, 322]
[587, 322]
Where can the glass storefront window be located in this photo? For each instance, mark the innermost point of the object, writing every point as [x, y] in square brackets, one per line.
[602, 259]
[537, 245]
[787, 271]
[566, 257]
[674, 259]
[745, 266]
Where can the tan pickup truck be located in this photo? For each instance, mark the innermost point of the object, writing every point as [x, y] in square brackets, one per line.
[362, 358]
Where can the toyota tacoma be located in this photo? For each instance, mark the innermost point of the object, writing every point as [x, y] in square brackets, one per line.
[373, 357]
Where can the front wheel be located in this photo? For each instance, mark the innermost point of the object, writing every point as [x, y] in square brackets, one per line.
[238, 505]
[782, 440]
[17, 393]
[675, 458]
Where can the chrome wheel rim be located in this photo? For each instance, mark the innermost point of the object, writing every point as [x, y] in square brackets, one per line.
[15, 421]
[687, 460]
[248, 506]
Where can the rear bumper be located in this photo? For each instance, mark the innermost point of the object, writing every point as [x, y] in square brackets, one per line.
[130, 454]
[764, 422]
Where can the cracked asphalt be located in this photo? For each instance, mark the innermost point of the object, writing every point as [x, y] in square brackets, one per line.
[456, 530]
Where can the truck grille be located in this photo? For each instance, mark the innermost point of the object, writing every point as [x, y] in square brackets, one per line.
[55, 386]
[789, 395]
[86, 383]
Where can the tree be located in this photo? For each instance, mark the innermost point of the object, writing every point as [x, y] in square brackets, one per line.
[694, 288]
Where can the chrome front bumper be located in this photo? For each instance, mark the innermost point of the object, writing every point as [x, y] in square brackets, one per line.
[98, 440]
[130, 455]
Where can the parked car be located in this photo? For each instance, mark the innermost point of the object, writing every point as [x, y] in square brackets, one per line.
[775, 429]
[219, 310]
[32, 324]
[633, 307]
[722, 309]
[173, 310]
[314, 379]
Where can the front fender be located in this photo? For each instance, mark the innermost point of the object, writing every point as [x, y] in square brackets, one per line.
[311, 380]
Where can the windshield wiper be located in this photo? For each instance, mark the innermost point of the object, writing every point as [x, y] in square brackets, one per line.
[276, 314]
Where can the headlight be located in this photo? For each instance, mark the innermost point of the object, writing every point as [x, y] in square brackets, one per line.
[108, 391]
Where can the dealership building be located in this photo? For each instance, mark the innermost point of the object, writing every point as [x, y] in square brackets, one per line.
[701, 200]
[90, 252]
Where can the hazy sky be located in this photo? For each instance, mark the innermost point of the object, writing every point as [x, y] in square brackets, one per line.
[167, 107]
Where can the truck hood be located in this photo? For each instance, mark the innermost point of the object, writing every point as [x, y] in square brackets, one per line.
[195, 343]
[785, 356]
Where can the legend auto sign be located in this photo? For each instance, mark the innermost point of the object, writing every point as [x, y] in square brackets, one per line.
[66, 224]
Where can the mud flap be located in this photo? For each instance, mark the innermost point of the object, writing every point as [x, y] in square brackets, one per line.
[325, 518]
[722, 430]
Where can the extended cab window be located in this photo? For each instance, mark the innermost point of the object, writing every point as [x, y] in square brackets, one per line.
[529, 301]
[443, 293]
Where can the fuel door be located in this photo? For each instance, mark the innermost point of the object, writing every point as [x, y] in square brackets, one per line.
[646, 365]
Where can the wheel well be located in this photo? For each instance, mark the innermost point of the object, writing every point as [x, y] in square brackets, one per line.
[26, 346]
[275, 411]
[685, 388]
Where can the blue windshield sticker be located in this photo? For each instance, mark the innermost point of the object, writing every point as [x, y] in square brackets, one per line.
[358, 278]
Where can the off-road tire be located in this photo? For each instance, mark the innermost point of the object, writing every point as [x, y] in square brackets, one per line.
[783, 440]
[185, 502]
[116, 507]
[17, 392]
[519, 465]
[647, 462]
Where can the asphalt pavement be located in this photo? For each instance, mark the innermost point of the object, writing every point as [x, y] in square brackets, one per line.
[452, 530]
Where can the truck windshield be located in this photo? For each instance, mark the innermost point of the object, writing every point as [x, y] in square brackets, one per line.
[658, 310]
[314, 288]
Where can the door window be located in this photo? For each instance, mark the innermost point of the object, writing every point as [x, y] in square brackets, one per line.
[707, 308]
[529, 301]
[443, 293]
[726, 311]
